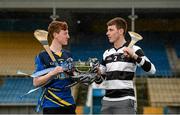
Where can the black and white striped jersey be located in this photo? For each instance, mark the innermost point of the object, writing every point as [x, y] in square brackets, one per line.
[119, 72]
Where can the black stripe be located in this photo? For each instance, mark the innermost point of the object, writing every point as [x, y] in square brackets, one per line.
[120, 75]
[54, 89]
[119, 57]
[146, 66]
[117, 93]
[139, 52]
[103, 63]
[44, 42]
[98, 80]
[138, 60]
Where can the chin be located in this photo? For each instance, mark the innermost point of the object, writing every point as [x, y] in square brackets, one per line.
[111, 41]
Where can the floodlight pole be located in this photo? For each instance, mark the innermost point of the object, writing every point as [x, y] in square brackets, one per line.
[54, 16]
[133, 17]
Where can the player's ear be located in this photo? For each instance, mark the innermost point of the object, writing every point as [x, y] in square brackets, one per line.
[55, 34]
[121, 31]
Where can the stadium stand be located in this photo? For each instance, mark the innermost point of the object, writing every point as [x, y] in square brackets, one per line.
[94, 46]
[164, 92]
[83, 48]
[14, 87]
[158, 24]
[156, 52]
[174, 40]
[87, 46]
[17, 50]
[11, 91]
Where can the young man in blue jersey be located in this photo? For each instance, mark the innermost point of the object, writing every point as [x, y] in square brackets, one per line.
[118, 69]
[56, 99]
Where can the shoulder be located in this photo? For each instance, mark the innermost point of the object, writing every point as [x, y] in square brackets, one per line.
[67, 52]
[138, 50]
[43, 53]
[107, 52]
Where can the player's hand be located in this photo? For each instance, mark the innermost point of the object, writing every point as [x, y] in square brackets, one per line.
[56, 71]
[96, 70]
[129, 52]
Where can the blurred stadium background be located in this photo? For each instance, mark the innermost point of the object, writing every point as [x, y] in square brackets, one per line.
[158, 21]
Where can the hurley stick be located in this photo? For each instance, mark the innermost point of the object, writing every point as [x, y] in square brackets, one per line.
[41, 36]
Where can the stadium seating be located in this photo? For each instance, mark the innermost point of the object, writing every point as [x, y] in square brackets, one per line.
[94, 46]
[17, 50]
[14, 87]
[174, 40]
[154, 48]
[164, 91]
[21, 49]
[88, 46]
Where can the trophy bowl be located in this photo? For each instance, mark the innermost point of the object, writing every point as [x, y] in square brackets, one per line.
[82, 66]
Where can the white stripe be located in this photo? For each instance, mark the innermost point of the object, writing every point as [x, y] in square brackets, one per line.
[118, 84]
[111, 51]
[144, 58]
[119, 99]
[121, 66]
[152, 70]
[136, 48]
[102, 69]
[142, 62]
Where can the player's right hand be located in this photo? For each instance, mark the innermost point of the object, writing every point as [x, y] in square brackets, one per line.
[56, 71]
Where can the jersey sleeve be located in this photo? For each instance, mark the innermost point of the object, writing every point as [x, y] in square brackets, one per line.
[38, 64]
[144, 62]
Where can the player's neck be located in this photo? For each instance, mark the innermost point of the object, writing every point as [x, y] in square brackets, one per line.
[120, 42]
[56, 47]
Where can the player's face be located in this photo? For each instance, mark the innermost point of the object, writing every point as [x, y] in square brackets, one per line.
[112, 33]
[63, 37]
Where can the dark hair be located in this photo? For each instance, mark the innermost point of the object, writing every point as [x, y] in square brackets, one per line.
[56, 27]
[119, 23]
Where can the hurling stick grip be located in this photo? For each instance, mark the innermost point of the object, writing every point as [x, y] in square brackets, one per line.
[46, 47]
[131, 43]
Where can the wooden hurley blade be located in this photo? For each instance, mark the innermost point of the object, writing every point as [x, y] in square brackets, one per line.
[41, 36]
[135, 37]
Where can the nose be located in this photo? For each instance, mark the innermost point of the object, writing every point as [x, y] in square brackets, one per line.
[68, 36]
[107, 33]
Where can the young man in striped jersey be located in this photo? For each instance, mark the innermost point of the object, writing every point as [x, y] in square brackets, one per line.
[118, 68]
